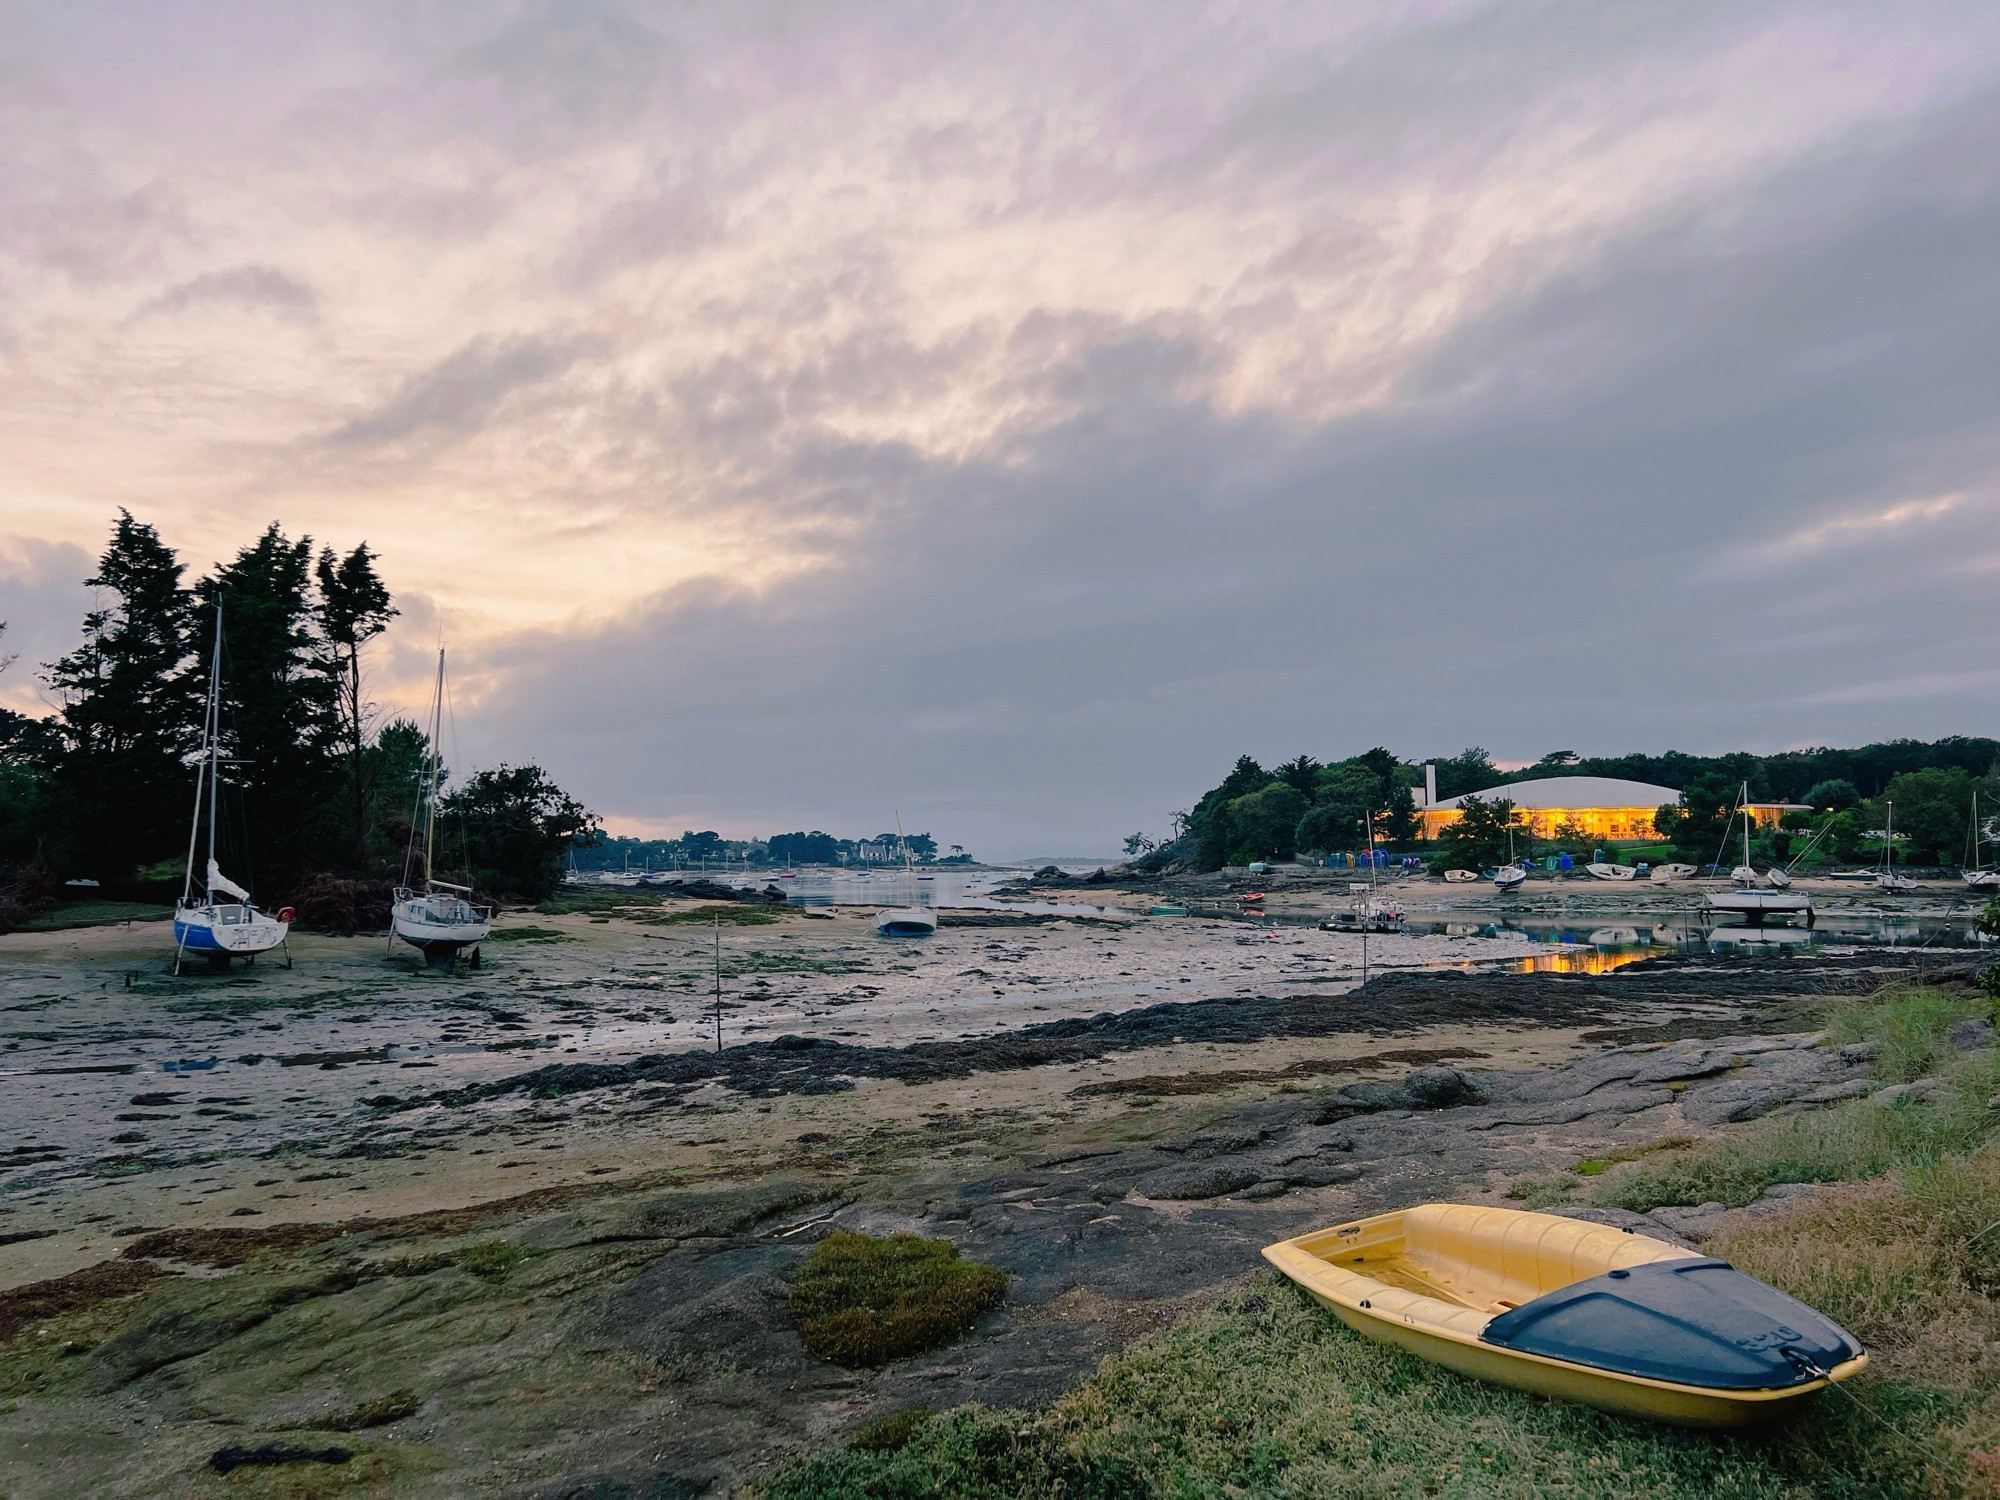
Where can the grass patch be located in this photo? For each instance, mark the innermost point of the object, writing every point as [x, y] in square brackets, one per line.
[96, 914]
[891, 1433]
[1906, 1028]
[863, 1300]
[490, 1259]
[1597, 1166]
[729, 916]
[1266, 1395]
[596, 903]
[1859, 1139]
[529, 935]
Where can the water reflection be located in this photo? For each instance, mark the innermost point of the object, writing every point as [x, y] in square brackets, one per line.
[1598, 949]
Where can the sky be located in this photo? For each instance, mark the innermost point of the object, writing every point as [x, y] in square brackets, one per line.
[797, 415]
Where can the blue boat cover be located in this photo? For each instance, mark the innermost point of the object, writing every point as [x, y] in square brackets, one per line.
[1697, 1321]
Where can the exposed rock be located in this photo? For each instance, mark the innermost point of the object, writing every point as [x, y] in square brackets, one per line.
[1196, 1180]
[1899, 1093]
[1973, 1031]
[1624, 1218]
[1692, 1224]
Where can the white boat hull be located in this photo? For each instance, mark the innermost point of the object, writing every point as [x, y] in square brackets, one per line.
[1987, 881]
[1610, 872]
[224, 931]
[439, 927]
[906, 921]
[1512, 877]
[1757, 904]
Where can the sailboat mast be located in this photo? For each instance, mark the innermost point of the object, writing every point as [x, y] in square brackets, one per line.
[1743, 806]
[214, 731]
[430, 799]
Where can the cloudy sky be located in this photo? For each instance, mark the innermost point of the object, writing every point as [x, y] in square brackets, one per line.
[796, 413]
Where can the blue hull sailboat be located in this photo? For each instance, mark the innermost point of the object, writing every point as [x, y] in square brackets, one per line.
[217, 918]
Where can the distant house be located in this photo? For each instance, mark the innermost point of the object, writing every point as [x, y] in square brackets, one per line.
[1604, 807]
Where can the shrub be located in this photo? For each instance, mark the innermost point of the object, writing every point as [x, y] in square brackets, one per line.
[864, 1301]
[328, 903]
[891, 1433]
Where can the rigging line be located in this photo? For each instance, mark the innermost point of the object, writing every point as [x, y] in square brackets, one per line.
[1930, 1450]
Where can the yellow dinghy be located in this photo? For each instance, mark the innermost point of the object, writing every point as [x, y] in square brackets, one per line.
[1578, 1311]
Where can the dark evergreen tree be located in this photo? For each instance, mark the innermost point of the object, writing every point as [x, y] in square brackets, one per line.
[354, 608]
[516, 824]
[131, 714]
[281, 709]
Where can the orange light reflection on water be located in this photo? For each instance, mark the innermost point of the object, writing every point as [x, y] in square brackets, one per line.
[1585, 961]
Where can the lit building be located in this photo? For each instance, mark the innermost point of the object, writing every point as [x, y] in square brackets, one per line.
[1604, 807]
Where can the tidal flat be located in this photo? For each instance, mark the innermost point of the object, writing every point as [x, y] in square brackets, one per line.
[523, 1230]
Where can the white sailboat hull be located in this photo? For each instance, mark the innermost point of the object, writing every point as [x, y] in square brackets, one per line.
[439, 925]
[227, 930]
[1983, 880]
[1611, 872]
[906, 921]
[1509, 877]
[1758, 903]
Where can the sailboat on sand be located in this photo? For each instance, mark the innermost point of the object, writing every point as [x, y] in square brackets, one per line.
[439, 920]
[217, 918]
[906, 921]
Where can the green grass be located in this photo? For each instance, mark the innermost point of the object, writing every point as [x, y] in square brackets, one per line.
[529, 935]
[1859, 1139]
[1266, 1395]
[862, 1301]
[72, 914]
[729, 916]
[568, 903]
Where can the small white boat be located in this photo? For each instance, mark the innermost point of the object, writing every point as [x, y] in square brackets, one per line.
[1460, 876]
[218, 919]
[906, 921]
[1755, 899]
[1978, 878]
[1510, 877]
[440, 921]
[1888, 879]
[1601, 871]
[1663, 874]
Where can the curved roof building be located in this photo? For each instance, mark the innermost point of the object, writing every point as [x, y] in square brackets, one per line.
[1604, 807]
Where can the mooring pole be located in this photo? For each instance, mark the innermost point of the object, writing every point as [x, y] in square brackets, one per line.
[718, 982]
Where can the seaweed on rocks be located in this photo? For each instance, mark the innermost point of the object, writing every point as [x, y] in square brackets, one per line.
[1400, 1001]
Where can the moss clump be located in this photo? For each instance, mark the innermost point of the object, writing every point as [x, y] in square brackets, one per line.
[729, 916]
[864, 1301]
[891, 1433]
[491, 1258]
[528, 935]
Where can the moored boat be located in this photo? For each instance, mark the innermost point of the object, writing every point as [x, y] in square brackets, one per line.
[1573, 1310]
[1599, 870]
[915, 920]
[1757, 898]
[439, 920]
[217, 919]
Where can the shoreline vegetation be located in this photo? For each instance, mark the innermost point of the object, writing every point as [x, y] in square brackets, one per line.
[1262, 1393]
[1308, 807]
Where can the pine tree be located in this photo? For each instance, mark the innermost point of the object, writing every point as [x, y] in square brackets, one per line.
[131, 712]
[280, 707]
[354, 608]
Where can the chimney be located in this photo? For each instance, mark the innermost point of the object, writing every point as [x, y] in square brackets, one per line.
[1430, 783]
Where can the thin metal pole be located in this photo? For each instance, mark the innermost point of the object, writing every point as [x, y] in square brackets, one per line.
[214, 738]
[718, 981]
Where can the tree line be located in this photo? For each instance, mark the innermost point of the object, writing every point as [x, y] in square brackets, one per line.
[694, 850]
[1305, 806]
[316, 790]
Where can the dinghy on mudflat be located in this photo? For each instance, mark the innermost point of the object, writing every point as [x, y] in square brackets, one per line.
[1573, 1310]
